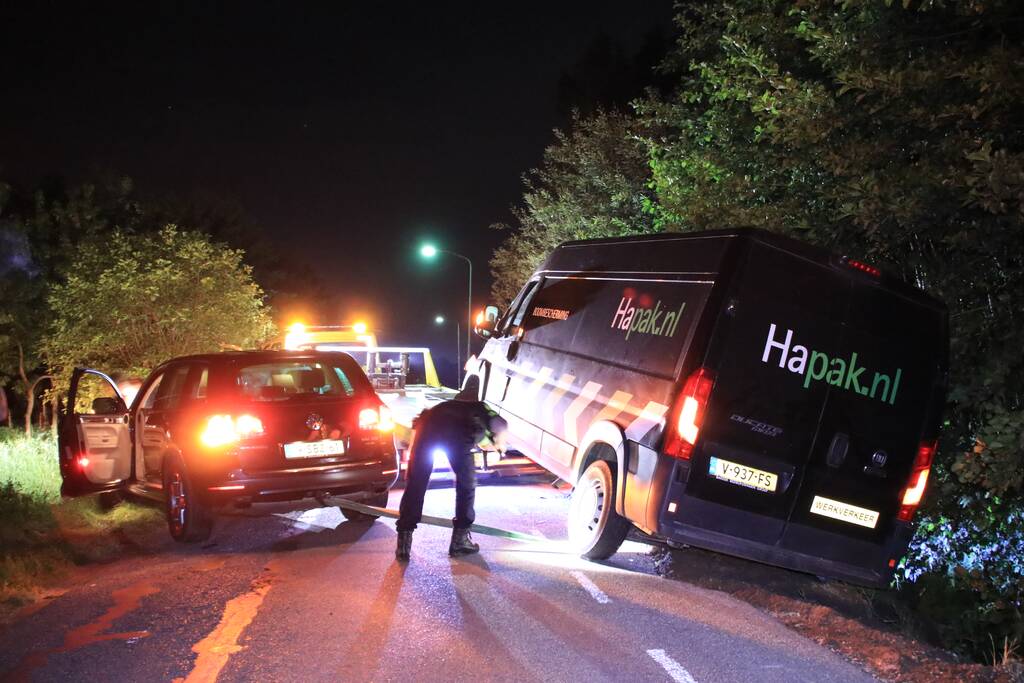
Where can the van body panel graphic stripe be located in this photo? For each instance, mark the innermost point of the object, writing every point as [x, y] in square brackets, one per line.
[576, 408]
[548, 415]
[618, 403]
[653, 415]
[539, 381]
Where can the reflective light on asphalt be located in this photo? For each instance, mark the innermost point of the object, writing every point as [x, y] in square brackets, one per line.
[316, 519]
[671, 667]
[591, 588]
[634, 547]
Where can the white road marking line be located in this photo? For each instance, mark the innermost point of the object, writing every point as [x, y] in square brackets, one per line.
[671, 667]
[591, 588]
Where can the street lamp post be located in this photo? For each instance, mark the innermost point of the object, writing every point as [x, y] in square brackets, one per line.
[439, 319]
[430, 251]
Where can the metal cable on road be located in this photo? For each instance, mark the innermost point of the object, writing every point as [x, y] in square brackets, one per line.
[439, 521]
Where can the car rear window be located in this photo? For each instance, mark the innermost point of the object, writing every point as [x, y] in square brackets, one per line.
[291, 379]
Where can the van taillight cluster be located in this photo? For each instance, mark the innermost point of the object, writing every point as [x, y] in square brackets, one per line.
[862, 267]
[221, 430]
[692, 405]
[918, 481]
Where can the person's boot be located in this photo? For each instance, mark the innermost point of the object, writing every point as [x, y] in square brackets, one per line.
[462, 543]
[404, 546]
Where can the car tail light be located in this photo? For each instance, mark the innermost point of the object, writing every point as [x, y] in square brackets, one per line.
[918, 481]
[221, 430]
[693, 404]
[378, 418]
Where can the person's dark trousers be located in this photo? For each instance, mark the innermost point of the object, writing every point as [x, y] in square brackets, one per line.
[421, 465]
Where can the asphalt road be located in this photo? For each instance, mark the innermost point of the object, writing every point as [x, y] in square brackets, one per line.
[307, 596]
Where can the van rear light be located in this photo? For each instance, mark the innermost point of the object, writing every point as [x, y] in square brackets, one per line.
[692, 404]
[918, 481]
[378, 418]
[862, 267]
[221, 430]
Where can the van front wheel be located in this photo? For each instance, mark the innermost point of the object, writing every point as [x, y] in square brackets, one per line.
[595, 530]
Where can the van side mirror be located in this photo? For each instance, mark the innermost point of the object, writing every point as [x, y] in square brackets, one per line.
[486, 321]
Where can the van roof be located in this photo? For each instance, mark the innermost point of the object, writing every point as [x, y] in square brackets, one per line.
[700, 253]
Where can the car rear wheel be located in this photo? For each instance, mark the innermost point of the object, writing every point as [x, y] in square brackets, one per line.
[188, 518]
[595, 530]
[379, 500]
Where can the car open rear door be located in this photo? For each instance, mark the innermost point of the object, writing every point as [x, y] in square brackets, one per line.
[94, 442]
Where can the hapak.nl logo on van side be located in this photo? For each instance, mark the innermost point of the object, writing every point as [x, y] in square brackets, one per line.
[645, 320]
[817, 366]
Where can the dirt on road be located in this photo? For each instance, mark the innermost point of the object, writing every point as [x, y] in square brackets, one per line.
[869, 627]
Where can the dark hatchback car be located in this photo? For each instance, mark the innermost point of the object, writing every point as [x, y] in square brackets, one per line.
[231, 429]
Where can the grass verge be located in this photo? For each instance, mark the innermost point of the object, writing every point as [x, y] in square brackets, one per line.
[43, 536]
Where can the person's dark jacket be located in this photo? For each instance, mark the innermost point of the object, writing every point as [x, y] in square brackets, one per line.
[456, 425]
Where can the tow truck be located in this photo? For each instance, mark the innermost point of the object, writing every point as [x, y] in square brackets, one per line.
[407, 382]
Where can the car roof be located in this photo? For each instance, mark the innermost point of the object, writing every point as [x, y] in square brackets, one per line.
[257, 356]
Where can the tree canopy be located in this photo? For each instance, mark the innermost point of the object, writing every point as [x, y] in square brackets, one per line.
[130, 302]
[893, 132]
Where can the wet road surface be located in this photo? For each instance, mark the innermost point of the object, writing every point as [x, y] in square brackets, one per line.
[303, 595]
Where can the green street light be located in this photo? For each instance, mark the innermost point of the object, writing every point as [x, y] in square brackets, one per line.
[429, 251]
[439, 319]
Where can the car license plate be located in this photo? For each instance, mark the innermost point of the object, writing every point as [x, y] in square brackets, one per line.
[314, 449]
[750, 477]
[844, 512]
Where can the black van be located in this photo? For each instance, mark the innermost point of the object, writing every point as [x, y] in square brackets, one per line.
[734, 390]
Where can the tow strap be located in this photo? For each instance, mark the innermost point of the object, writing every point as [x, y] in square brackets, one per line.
[437, 521]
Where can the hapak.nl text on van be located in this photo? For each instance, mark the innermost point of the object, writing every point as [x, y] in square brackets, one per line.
[817, 365]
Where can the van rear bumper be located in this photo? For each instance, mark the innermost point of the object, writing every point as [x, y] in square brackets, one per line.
[878, 576]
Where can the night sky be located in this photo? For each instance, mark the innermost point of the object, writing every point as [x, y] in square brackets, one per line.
[347, 135]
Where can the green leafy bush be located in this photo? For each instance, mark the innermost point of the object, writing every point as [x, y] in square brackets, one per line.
[967, 574]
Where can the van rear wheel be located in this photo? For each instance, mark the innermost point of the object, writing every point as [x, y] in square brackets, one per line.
[595, 530]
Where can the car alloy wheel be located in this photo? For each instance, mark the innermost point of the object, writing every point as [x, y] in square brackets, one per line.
[177, 503]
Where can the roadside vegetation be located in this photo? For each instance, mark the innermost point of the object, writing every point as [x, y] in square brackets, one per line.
[890, 131]
[41, 537]
[93, 276]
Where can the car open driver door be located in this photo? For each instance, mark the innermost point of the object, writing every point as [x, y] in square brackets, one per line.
[94, 442]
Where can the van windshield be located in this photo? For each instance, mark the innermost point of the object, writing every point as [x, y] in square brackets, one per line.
[294, 379]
